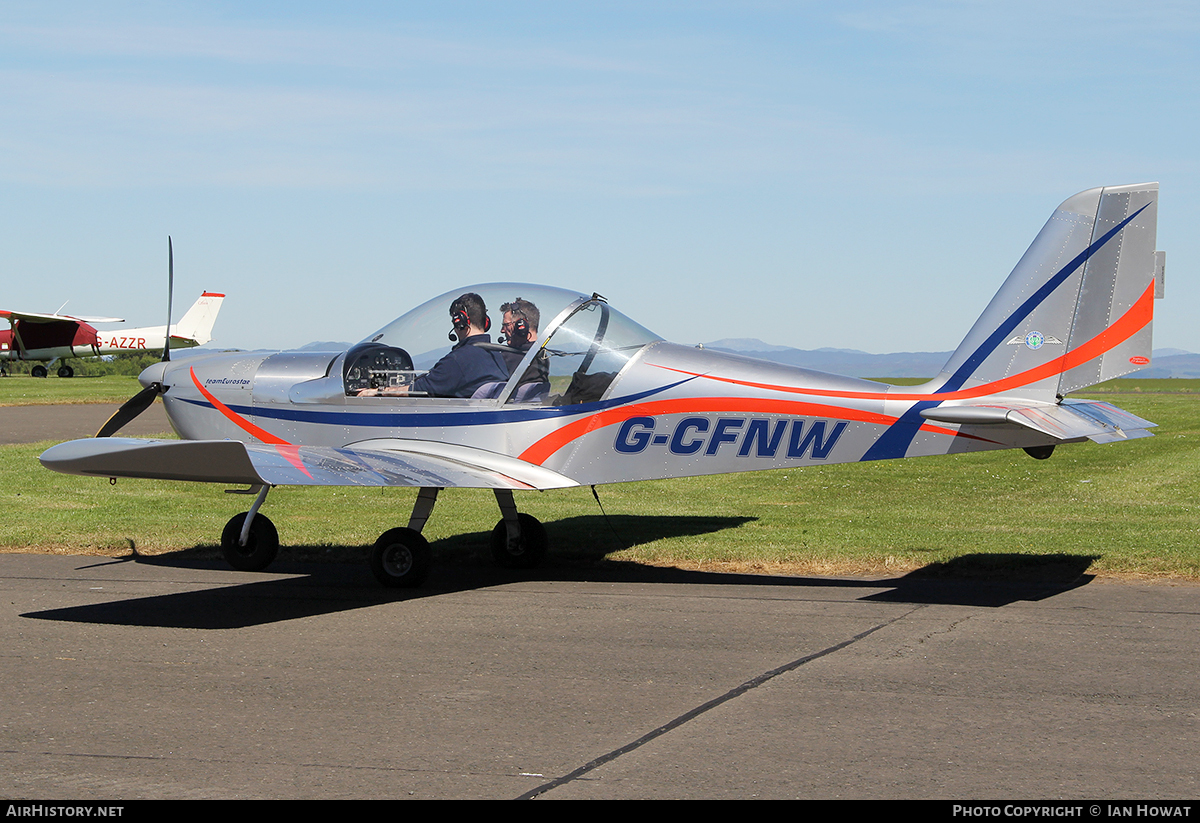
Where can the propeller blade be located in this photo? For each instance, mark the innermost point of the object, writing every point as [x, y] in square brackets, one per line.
[170, 298]
[130, 409]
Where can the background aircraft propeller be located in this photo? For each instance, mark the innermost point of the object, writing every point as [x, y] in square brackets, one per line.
[141, 401]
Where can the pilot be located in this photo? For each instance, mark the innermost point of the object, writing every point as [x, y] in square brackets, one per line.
[520, 328]
[470, 364]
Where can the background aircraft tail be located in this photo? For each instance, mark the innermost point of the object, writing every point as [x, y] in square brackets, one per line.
[1078, 307]
[197, 323]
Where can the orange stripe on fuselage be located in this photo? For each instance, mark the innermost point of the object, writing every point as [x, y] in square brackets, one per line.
[289, 451]
[548, 445]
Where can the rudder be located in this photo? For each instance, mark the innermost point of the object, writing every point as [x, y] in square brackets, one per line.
[197, 323]
[1117, 292]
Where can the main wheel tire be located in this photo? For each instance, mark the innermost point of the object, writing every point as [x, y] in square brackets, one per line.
[66, 371]
[38, 371]
[401, 558]
[528, 552]
[262, 544]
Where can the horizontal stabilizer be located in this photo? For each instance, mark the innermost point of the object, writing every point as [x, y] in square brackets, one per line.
[1068, 420]
[233, 462]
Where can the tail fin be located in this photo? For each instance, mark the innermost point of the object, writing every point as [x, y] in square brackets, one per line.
[198, 322]
[1078, 307]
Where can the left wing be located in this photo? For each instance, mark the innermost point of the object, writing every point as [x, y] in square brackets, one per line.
[33, 317]
[385, 462]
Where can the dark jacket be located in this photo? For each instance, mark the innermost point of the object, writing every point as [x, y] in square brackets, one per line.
[537, 372]
[463, 370]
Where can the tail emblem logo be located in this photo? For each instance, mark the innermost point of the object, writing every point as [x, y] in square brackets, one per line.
[1035, 340]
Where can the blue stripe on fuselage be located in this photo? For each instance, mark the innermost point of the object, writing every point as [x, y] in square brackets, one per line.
[467, 417]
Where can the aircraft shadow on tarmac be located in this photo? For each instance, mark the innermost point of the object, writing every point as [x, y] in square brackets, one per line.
[329, 579]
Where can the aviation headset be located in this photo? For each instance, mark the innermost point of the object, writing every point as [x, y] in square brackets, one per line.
[461, 320]
[519, 335]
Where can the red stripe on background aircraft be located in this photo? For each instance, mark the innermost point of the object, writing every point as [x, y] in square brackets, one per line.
[580, 394]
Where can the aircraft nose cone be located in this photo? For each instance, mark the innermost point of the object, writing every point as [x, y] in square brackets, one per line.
[153, 374]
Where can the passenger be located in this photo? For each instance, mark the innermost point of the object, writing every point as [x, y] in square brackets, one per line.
[470, 364]
[520, 328]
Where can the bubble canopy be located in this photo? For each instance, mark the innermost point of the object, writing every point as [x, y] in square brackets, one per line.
[424, 331]
[579, 334]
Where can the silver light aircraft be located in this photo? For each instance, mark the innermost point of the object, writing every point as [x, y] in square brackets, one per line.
[594, 398]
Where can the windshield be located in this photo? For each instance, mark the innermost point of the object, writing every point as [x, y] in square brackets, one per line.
[588, 350]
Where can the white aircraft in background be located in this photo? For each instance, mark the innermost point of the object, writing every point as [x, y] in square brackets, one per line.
[49, 338]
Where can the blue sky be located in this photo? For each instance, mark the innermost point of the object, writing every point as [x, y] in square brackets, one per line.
[857, 174]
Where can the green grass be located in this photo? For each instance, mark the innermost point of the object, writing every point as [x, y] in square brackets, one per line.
[23, 390]
[1125, 509]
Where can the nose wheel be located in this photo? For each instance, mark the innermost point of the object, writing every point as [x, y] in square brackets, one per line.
[258, 550]
[249, 540]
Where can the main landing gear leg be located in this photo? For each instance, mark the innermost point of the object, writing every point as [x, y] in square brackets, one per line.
[249, 541]
[401, 557]
[426, 497]
[519, 540]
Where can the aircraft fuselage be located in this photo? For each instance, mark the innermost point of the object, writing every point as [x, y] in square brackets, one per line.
[673, 410]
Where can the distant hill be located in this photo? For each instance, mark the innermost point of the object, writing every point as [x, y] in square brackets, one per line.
[748, 344]
[325, 345]
[1166, 363]
[850, 362]
[1184, 364]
